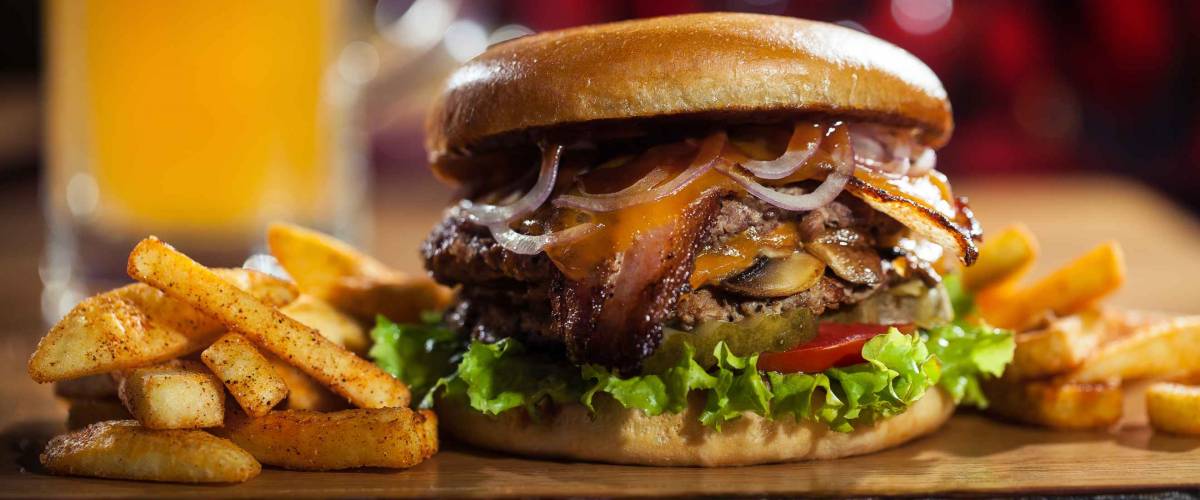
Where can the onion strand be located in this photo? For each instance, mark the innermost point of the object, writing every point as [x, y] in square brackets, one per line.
[488, 215]
[830, 188]
[525, 244]
[800, 148]
[706, 157]
[852, 147]
[651, 180]
[890, 151]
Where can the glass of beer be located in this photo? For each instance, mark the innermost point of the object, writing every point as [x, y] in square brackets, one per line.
[197, 122]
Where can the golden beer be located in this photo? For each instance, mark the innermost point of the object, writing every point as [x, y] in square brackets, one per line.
[196, 121]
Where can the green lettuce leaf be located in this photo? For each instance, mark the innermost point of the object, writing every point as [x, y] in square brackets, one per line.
[654, 393]
[739, 387]
[961, 300]
[799, 394]
[416, 354]
[686, 376]
[501, 376]
[648, 393]
[504, 376]
[968, 352]
[898, 370]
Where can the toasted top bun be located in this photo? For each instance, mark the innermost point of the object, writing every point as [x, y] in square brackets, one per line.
[717, 66]
[623, 436]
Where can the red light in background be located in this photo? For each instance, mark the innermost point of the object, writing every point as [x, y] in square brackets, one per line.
[1013, 43]
[1134, 49]
[921, 17]
[655, 8]
[559, 14]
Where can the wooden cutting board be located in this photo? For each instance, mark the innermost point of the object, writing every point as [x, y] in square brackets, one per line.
[972, 454]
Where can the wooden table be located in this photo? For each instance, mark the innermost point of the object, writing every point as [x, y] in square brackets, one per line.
[972, 454]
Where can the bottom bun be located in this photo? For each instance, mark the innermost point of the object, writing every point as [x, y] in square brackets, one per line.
[623, 436]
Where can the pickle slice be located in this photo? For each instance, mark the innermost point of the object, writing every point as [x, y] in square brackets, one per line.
[752, 335]
[908, 302]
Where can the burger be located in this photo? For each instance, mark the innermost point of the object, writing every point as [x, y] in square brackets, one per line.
[711, 239]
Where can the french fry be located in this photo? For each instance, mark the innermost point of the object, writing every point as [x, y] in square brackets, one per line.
[89, 387]
[1174, 408]
[1161, 349]
[398, 298]
[350, 280]
[317, 261]
[305, 440]
[1055, 405]
[332, 323]
[1065, 291]
[1062, 345]
[126, 450]
[262, 286]
[355, 378]
[304, 393]
[1186, 378]
[174, 395]
[248, 375]
[137, 325]
[84, 412]
[113, 331]
[1005, 256]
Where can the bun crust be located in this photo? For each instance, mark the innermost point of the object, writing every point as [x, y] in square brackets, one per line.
[622, 436]
[701, 65]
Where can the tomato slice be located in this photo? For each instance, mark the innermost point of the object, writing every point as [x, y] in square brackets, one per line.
[836, 344]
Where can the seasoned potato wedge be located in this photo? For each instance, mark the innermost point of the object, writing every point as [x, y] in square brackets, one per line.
[130, 326]
[304, 393]
[126, 450]
[360, 381]
[1174, 408]
[262, 286]
[248, 375]
[1161, 349]
[398, 298]
[89, 387]
[332, 323]
[84, 412]
[350, 280]
[1062, 345]
[1055, 405]
[1005, 256]
[1067, 290]
[174, 395]
[137, 325]
[306, 440]
[317, 261]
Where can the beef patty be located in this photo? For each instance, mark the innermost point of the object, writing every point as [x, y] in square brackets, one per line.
[504, 294]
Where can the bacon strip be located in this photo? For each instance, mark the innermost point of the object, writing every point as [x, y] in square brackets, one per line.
[614, 316]
[921, 219]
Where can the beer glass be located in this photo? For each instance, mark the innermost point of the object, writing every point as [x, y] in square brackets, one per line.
[199, 122]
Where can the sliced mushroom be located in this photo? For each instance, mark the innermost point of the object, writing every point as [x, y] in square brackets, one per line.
[848, 255]
[778, 277]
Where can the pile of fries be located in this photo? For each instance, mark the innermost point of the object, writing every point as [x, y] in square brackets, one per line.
[203, 375]
[1074, 357]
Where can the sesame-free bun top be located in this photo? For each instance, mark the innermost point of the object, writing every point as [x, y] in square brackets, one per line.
[719, 66]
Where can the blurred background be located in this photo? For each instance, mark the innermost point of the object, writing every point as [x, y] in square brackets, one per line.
[201, 121]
